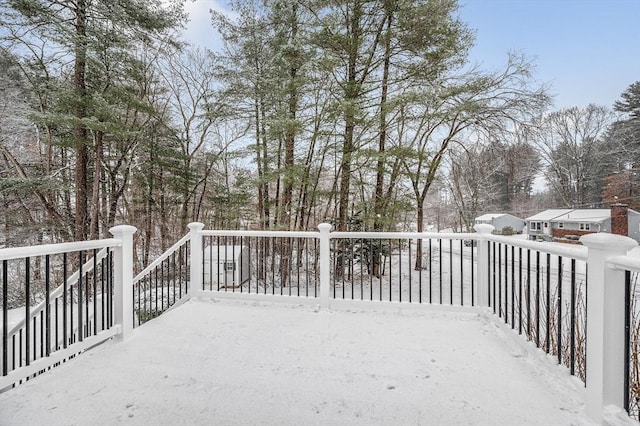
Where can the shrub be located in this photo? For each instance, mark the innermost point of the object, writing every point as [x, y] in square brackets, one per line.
[507, 230]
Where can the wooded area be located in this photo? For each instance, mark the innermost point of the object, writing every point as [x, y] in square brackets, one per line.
[363, 113]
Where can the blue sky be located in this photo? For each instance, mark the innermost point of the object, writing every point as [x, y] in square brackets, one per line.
[587, 50]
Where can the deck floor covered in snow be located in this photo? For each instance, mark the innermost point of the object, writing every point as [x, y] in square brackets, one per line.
[226, 362]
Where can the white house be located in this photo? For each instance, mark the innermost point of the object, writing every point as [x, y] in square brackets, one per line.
[501, 221]
[539, 225]
[561, 223]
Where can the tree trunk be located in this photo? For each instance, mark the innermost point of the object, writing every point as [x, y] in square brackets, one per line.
[80, 131]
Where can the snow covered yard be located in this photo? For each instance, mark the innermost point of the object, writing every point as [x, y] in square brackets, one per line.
[229, 362]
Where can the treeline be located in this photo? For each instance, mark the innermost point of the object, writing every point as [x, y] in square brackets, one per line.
[365, 114]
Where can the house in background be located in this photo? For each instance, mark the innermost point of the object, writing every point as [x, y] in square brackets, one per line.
[539, 225]
[501, 221]
[572, 223]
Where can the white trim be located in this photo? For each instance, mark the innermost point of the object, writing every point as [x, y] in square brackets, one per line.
[38, 365]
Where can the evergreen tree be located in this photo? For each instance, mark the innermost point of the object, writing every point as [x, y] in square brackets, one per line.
[90, 43]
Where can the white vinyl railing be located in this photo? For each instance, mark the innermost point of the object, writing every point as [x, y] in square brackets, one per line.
[322, 257]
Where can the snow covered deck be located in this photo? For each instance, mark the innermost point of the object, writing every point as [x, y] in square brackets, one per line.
[228, 362]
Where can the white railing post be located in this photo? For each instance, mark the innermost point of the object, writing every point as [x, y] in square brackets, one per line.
[195, 278]
[325, 264]
[123, 279]
[605, 323]
[482, 290]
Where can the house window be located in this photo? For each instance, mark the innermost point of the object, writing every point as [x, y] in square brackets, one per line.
[585, 226]
[229, 266]
[546, 225]
[560, 225]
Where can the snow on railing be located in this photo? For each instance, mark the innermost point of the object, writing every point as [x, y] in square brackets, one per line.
[161, 284]
[46, 327]
[536, 289]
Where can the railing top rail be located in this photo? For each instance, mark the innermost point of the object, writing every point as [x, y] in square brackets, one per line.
[406, 235]
[284, 234]
[578, 252]
[629, 263]
[161, 259]
[48, 249]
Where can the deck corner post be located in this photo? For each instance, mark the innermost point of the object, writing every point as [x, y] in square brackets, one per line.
[482, 293]
[605, 324]
[123, 278]
[195, 275]
[325, 264]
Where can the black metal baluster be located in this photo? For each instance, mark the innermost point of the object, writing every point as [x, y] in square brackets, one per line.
[520, 290]
[55, 323]
[5, 317]
[559, 303]
[102, 295]
[335, 262]
[390, 245]
[87, 320]
[440, 266]
[548, 308]
[249, 264]
[419, 249]
[529, 294]
[42, 334]
[95, 291]
[34, 336]
[494, 276]
[273, 267]
[399, 271]
[473, 279]
[537, 299]
[163, 281]
[283, 273]
[627, 337]
[450, 271]
[499, 280]
[47, 304]
[174, 276]
[430, 273]
[380, 268]
[361, 257]
[513, 287]
[409, 267]
[224, 278]
[27, 307]
[298, 262]
[80, 296]
[236, 268]
[315, 257]
[572, 343]
[461, 273]
[489, 270]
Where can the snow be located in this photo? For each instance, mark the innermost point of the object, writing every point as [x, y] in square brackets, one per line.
[228, 362]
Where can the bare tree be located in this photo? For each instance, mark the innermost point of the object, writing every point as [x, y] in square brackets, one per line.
[570, 144]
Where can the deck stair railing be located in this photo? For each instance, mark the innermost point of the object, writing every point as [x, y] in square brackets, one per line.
[539, 290]
[163, 283]
[62, 313]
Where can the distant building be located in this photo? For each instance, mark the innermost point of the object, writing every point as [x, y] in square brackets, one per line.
[539, 225]
[501, 221]
[572, 223]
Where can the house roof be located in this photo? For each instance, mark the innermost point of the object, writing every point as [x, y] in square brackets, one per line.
[491, 216]
[584, 215]
[549, 214]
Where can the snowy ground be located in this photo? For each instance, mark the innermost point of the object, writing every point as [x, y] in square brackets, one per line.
[228, 362]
